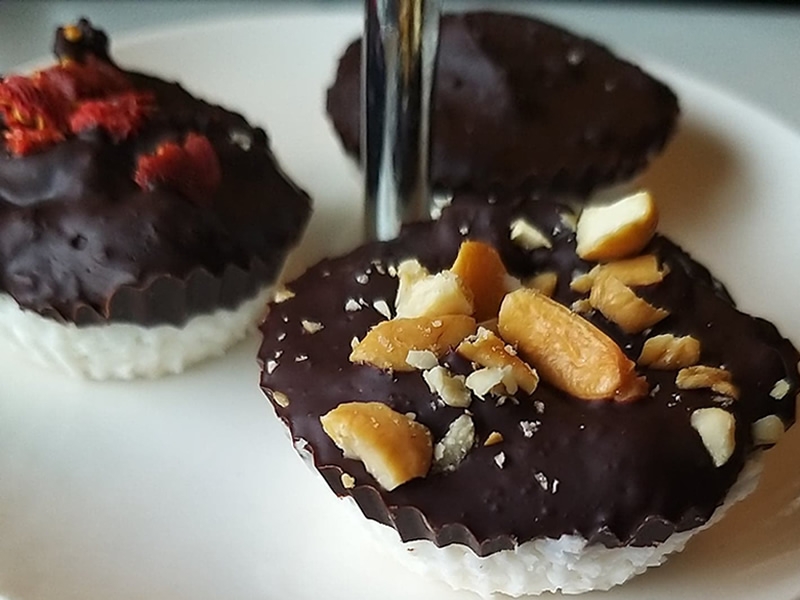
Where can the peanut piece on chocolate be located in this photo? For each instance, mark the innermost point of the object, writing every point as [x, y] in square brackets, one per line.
[545, 283]
[617, 230]
[420, 294]
[768, 430]
[393, 448]
[667, 352]
[620, 304]
[450, 388]
[488, 350]
[640, 270]
[528, 236]
[455, 445]
[387, 345]
[480, 268]
[567, 350]
[702, 376]
[717, 429]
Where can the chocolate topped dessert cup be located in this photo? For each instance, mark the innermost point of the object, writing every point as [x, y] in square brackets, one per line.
[523, 106]
[141, 229]
[519, 400]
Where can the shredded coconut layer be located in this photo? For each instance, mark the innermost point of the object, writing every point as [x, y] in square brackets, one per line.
[122, 350]
[568, 564]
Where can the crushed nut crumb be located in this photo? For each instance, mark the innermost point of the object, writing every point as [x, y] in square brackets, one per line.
[282, 295]
[280, 399]
[348, 481]
[455, 445]
[362, 278]
[780, 389]
[382, 307]
[312, 326]
[500, 459]
[271, 366]
[352, 305]
[493, 438]
[529, 427]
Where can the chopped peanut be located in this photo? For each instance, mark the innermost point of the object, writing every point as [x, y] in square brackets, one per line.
[641, 270]
[702, 376]
[481, 270]
[620, 304]
[668, 352]
[393, 448]
[386, 345]
[488, 350]
[567, 350]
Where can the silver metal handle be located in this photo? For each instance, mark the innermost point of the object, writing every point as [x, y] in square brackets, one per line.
[398, 61]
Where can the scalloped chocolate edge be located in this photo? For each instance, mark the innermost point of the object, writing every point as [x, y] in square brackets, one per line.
[169, 300]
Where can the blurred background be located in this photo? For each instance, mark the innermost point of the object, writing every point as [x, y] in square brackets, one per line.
[749, 48]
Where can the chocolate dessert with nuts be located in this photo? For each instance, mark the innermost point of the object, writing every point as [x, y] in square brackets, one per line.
[522, 105]
[141, 228]
[522, 399]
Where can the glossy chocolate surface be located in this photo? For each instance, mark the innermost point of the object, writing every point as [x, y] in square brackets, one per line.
[81, 241]
[521, 105]
[626, 473]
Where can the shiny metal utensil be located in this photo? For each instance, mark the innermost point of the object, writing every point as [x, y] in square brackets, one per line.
[398, 60]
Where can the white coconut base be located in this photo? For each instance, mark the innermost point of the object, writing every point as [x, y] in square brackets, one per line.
[568, 565]
[122, 350]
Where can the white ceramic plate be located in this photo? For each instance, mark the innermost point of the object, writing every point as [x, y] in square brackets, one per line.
[186, 488]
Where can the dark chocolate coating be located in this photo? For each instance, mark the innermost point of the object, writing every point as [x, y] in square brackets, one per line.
[628, 474]
[521, 105]
[80, 241]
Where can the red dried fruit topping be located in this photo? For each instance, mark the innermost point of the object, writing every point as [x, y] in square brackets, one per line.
[26, 103]
[46, 107]
[191, 169]
[27, 141]
[118, 115]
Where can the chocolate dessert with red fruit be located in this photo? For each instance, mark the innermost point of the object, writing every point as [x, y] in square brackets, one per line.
[141, 229]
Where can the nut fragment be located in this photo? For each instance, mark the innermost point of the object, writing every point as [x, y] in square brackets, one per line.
[393, 448]
[455, 445]
[768, 430]
[717, 429]
[527, 236]
[617, 230]
[668, 352]
[702, 376]
[422, 359]
[545, 283]
[386, 345]
[280, 398]
[780, 389]
[491, 380]
[282, 294]
[620, 304]
[640, 270]
[493, 438]
[481, 270]
[567, 350]
[420, 294]
[488, 350]
[450, 388]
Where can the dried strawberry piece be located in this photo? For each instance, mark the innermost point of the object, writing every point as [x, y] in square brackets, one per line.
[191, 169]
[119, 115]
[23, 141]
[25, 102]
